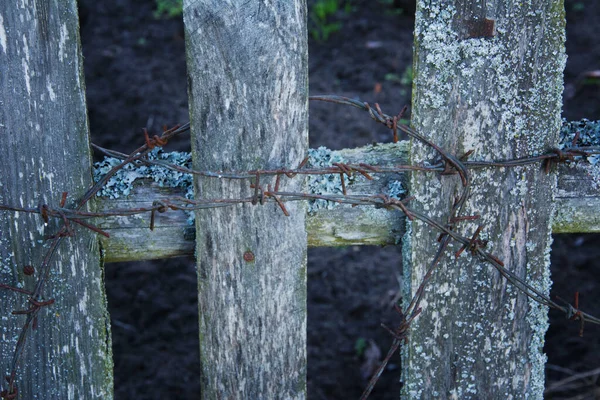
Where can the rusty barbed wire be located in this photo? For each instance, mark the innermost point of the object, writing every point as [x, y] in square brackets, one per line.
[448, 164]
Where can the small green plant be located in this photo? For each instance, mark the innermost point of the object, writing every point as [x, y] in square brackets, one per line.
[359, 347]
[168, 8]
[407, 76]
[391, 8]
[578, 6]
[141, 42]
[320, 18]
[405, 80]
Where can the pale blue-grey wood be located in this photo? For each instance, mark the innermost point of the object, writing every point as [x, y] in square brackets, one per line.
[248, 96]
[44, 151]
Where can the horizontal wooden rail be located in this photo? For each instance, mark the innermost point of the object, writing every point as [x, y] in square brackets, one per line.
[131, 239]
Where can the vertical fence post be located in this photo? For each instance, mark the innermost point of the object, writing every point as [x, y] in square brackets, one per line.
[44, 151]
[488, 78]
[248, 91]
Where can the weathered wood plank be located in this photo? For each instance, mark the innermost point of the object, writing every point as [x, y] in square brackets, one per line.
[495, 89]
[131, 238]
[577, 200]
[248, 90]
[45, 151]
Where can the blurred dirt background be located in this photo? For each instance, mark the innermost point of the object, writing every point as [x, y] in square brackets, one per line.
[135, 77]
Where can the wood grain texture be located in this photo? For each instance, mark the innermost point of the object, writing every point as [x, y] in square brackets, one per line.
[477, 337]
[130, 236]
[248, 96]
[45, 151]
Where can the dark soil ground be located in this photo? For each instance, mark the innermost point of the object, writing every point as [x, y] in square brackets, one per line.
[135, 73]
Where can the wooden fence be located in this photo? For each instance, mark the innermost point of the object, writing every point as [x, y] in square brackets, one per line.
[486, 79]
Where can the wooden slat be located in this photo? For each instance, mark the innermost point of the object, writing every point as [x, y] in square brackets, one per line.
[248, 88]
[488, 78]
[44, 151]
[131, 238]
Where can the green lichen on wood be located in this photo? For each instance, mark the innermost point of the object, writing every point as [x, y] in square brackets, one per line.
[577, 215]
[121, 183]
[499, 96]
